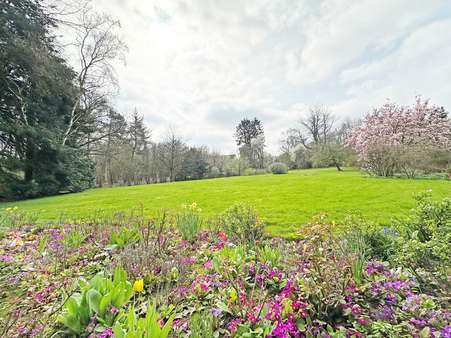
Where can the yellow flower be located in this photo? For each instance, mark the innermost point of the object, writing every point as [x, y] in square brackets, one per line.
[233, 296]
[138, 285]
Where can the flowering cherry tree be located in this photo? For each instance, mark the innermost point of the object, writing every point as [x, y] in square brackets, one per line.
[391, 134]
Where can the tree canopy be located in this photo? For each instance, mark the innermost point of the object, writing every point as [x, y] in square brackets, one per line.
[37, 92]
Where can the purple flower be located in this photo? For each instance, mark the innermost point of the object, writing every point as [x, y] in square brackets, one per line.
[390, 232]
[446, 332]
[418, 322]
[208, 265]
[376, 288]
[375, 267]
[362, 321]
[356, 310]
[182, 244]
[383, 312]
[391, 299]
[181, 324]
[216, 311]
[108, 332]
[6, 258]
[396, 285]
[188, 260]
[114, 310]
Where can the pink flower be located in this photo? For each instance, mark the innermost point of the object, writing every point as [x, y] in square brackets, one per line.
[362, 321]
[208, 265]
[223, 236]
[232, 326]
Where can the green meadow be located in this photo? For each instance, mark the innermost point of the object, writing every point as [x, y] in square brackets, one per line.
[284, 201]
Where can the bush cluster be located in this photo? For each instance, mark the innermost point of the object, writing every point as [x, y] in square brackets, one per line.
[278, 168]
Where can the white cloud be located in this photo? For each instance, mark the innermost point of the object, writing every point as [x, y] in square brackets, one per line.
[420, 66]
[202, 65]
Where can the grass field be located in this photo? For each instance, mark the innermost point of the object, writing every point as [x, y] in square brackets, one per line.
[282, 200]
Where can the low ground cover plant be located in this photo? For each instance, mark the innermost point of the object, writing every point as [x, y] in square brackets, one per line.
[226, 279]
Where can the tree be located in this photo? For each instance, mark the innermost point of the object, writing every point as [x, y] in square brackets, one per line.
[247, 130]
[250, 139]
[36, 87]
[293, 149]
[315, 142]
[318, 125]
[391, 131]
[138, 138]
[257, 151]
[138, 134]
[171, 153]
[98, 45]
[115, 128]
[194, 165]
[329, 154]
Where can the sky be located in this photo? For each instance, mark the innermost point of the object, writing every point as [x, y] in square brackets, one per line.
[200, 66]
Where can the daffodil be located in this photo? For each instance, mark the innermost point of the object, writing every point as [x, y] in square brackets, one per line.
[138, 285]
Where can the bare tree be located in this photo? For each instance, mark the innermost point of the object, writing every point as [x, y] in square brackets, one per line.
[318, 125]
[291, 139]
[98, 46]
[171, 153]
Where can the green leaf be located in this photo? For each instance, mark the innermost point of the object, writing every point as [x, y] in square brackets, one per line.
[118, 331]
[104, 304]
[73, 323]
[71, 306]
[425, 333]
[94, 298]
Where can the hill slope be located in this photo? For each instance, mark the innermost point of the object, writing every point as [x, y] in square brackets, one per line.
[283, 200]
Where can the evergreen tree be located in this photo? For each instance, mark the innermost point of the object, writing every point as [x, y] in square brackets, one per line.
[36, 91]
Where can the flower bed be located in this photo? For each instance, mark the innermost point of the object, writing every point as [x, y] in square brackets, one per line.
[140, 278]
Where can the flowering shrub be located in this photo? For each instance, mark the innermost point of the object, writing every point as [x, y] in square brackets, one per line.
[323, 284]
[396, 138]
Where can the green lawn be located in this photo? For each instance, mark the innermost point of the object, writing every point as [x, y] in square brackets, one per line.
[282, 200]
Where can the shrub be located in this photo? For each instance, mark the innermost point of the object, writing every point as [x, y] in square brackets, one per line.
[278, 168]
[241, 223]
[424, 243]
[379, 242]
[249, 172]
[254, 171]
[260, 171]
[189, 221]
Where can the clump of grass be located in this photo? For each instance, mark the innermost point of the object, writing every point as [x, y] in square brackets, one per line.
[189, 221]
